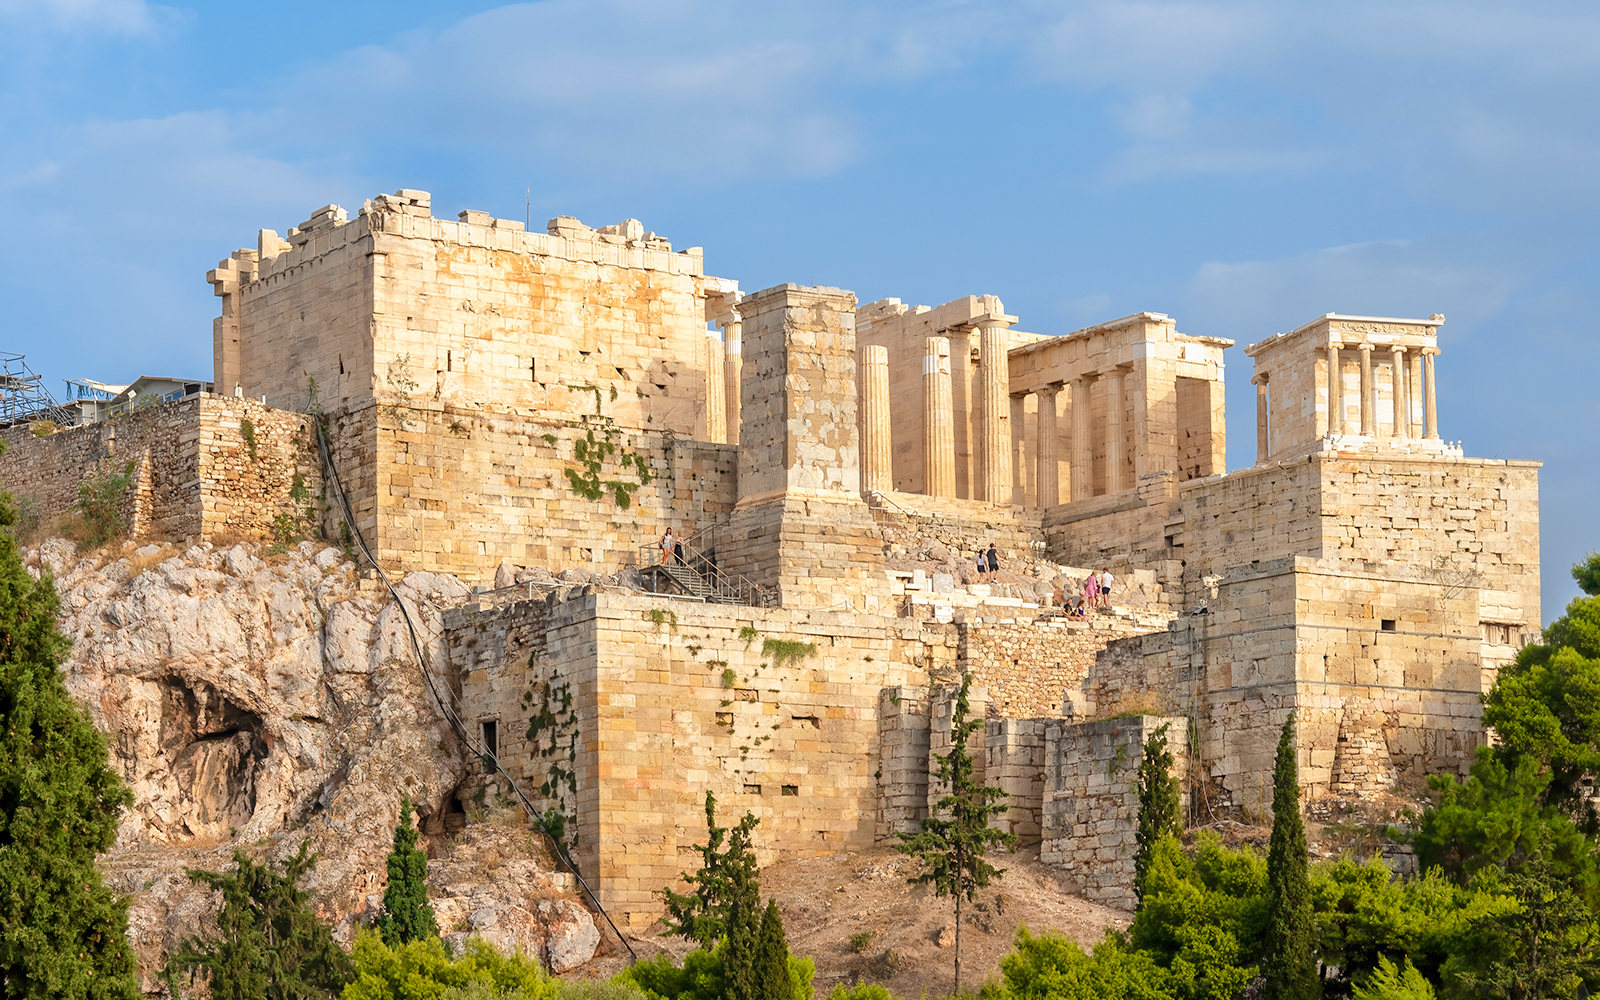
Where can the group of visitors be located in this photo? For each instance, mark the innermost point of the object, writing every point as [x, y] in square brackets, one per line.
[1096, 594]
[671, 548]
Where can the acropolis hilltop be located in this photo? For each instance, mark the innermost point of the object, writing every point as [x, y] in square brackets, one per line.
[529, 412]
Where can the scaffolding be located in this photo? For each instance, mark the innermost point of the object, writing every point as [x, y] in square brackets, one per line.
[23, 397]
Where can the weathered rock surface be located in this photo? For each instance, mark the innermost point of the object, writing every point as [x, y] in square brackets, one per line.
[255, 702]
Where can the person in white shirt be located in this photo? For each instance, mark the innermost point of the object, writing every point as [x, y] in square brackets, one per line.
[1106, 580]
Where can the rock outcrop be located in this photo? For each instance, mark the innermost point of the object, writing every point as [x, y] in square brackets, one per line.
[252, 702]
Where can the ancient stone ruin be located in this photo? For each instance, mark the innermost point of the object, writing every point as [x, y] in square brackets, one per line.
[503, 405]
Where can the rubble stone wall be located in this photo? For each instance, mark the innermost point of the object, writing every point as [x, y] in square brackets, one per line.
[196, 473]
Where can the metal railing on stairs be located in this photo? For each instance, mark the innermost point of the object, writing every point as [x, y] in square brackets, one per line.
[690, 570]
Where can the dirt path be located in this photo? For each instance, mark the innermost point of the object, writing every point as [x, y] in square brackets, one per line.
[827, 900]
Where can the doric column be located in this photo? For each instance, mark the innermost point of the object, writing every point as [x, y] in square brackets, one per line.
[1397, 388]
[1430, 402]
[1262, 444]
[994, 400]
[938, 426]
[1369, 422]
[1116, 454]
[732, 367]
[1082, 444]
[876, 454]
[716, 387]
[1019, 458]
[1047, 481]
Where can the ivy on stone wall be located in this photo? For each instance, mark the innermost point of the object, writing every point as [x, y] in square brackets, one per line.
[591, 452]
[553, 735]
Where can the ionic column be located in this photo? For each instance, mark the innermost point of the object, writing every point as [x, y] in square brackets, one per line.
[1369, 423]
[876, 452]
[1262, 449]
[1430, 412]
[1116, 453]
[732, 366]
[716, 385]
[1047, 480]
[994, 400]
[1398, 380]
[1082, 447]
[1337, 424]
[938, 426]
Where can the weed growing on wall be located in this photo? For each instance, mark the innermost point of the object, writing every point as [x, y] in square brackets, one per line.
[787, 652]
[591, 452]
[401, 386]
[553, 735]
[300, 522]
[100, 502]
[247, 430]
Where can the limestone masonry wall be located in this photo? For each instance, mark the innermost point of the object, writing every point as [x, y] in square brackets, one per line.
[196, 473]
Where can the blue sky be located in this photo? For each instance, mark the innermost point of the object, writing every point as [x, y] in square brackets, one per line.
[1242, 166]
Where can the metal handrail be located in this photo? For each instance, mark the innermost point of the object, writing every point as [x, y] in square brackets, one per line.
[731, 586]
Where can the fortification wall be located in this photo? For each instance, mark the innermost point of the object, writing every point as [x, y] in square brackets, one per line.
[774, 711]
[1035, 669]
[455, 490]
[1122, 532]
[195, 471]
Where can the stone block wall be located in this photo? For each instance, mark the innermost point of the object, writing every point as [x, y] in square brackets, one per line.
[1014, 761]
[903, 755]
[1136, 529]
[1090, 803]
[1035, 669]
[451, 490]
[774, 711]
[195, 473]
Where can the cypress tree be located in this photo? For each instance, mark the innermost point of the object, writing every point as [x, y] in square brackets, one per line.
[1289, 963]
[772, 958]
[407, 914]
[1159, 803]
[62, 932]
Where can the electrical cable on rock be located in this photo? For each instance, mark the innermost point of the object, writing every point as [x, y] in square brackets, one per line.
[456, 725]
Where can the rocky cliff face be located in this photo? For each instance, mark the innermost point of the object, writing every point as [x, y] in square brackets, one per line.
[254, 702]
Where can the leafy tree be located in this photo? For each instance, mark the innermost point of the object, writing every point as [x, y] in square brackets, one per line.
[1203, 918]
[1052, 967]
[1159, 803]
[772, 958]
[423, 968]
[1495, 818]
[269, 945]
[1587, 573]
[1289, 962]
[952, 851]
[1389, 982]
[725, 877]
[1546, 705]
[407, 914]
[1544, 948]
[100, 502]
[700, 977]
[62, 932]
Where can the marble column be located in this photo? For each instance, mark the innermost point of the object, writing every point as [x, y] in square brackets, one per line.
[732, 367]
[877, 473]
[1263, 446]
[1337, 422]
[1047, 481]
[1369, 421]
[994, 401]
[938, 426]
[1397, 389]
[1019, 457]
[716, 387]
[1430, 402]
[1116, 448]
[1082, 444]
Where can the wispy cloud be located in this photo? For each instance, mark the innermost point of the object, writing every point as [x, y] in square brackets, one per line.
[111, 17]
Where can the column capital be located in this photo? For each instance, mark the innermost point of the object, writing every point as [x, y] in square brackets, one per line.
[728, 319]
[1430, 351]
[993, 321]
[1365, 348]
[1049, 389]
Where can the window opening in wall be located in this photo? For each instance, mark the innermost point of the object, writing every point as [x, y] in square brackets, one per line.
[449, 361]
[752, 789]
[1388, 625]
[491, 738]
[533, 369]
[791, 789]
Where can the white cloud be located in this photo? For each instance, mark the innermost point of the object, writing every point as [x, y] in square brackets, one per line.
[112, 17]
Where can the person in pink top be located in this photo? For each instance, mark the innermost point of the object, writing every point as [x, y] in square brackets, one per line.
[1091, 590]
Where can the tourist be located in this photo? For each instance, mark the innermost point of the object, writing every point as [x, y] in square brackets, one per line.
[666, 547]
[994, 563]
[1091, 591]
[1106, 579]
[982, 565]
